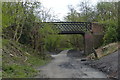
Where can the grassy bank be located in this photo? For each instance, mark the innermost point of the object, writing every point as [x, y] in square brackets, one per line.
[19, 61]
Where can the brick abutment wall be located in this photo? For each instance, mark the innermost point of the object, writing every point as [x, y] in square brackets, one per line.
[94, 38]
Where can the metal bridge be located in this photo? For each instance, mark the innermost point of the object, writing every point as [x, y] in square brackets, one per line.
[70, 27]
[87, 29]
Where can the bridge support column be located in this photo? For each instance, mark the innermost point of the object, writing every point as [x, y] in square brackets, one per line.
[88, 43]
[91, 41]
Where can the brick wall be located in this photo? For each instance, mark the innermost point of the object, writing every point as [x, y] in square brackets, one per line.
[88, 43]
[97, 29]
[95, 38]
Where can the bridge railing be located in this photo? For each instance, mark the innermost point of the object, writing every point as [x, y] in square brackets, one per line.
[70, 26]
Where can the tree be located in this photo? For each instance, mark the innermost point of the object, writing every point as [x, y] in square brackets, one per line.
[73, 15]
[107, 15]
[14, 17]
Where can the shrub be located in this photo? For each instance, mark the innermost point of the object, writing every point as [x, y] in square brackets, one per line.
[111, 33]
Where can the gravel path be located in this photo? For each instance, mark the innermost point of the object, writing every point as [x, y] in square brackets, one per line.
[66, 67]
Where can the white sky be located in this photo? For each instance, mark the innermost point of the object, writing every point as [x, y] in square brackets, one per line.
[60, 7]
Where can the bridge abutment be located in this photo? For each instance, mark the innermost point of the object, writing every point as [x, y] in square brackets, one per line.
[93, 39]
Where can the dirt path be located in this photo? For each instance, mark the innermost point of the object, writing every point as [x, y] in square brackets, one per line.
[65, 67]
[108, 64]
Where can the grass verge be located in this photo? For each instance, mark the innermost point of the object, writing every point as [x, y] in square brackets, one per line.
[18, 62]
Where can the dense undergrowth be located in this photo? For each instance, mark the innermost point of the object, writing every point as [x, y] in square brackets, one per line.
[19, 61]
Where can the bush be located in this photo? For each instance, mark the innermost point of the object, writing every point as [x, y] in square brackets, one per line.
[111, 33]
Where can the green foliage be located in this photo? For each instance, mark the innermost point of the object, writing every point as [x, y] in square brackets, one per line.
[19, 66]
[111, 34]
[7, 19]
[37, 61]
[52, 42]
[18, 71]
[4, 42]
[103, 12]
[65, 42]
[107, 15]
[51, 39]
[77, 41]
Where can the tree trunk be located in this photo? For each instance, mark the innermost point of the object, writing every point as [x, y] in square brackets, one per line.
[19, 34]
[16, 31]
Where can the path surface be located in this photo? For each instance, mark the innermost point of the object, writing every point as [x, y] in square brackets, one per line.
[65, 67]
[108, 64]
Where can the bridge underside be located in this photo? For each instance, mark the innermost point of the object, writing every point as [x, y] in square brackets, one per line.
[72, 32]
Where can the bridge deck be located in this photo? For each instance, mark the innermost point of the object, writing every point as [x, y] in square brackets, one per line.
[71, 27]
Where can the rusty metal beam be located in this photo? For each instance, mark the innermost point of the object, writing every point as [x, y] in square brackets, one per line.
[72, 32]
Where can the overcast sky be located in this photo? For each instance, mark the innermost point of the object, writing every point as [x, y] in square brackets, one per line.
[60, 7]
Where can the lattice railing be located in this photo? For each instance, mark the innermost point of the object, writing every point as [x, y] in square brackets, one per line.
[71, 26]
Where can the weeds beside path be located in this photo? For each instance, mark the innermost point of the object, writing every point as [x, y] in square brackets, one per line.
[19, 63]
